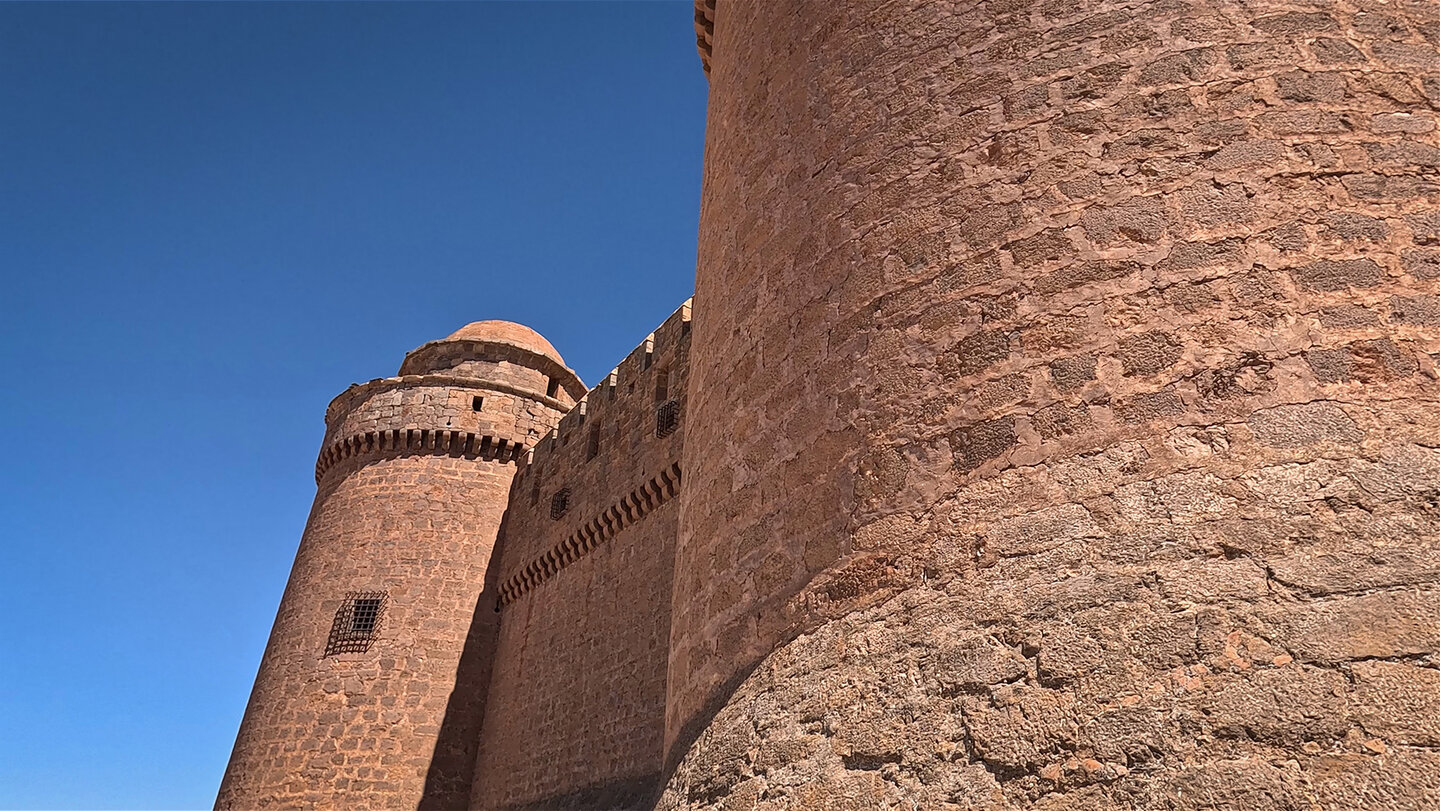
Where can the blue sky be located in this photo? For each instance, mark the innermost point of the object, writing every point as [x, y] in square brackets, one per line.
[215, 217]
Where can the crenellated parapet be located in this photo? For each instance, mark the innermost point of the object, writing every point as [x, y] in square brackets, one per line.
[617, 440]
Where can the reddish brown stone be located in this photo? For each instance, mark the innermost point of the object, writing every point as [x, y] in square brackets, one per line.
[1061, 433]
[1186, 564]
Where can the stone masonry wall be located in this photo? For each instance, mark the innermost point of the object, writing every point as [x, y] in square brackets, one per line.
[436, 414]
[1064, 414]
[412, 485]
[576, 705]
[361, 730]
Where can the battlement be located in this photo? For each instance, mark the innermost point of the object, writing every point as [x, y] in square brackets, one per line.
[610, 444]
[659, 347]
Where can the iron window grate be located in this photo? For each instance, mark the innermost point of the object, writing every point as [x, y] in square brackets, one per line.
[357, 622]
[559, 504]
[667, 418]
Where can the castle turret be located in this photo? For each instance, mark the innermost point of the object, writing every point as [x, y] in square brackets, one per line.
[372, 686]
[1063, 408]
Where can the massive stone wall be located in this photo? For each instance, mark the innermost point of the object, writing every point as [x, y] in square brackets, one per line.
[1064, 426]
[575, 714]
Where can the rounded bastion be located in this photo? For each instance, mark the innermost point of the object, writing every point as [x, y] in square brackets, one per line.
[386, 626]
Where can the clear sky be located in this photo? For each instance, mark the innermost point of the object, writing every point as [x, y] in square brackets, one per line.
[214, 218]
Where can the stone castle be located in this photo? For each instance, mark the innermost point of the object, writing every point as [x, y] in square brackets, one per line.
[1058, 427]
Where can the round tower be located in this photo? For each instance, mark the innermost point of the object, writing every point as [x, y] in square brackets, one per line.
[1063, 408]
[372, 685]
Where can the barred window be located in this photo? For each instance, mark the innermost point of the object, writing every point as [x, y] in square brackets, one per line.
[357, 622]
[559, 503]
[667, 418]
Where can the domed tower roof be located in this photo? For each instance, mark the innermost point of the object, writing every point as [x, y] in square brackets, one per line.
[506, 332]
[474, 350]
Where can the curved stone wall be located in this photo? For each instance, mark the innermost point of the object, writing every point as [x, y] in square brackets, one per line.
[413, 481]
[1063, 411]
[366, 730]
[433, 414]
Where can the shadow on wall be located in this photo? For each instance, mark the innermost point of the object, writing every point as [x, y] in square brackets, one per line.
[452, 766]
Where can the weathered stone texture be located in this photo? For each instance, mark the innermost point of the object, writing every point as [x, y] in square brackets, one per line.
[1061, 431]
[1064, 409]
[576, 706]
[361, 729]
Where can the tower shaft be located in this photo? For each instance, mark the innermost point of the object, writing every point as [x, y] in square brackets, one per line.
[372, 688]
[1063, 407]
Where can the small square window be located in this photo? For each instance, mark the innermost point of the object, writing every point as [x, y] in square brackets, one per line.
[559, 504]
[667, 418]
[476, 403]
[357, 622]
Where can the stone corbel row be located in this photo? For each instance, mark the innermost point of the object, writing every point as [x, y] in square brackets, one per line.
[628, 510]
[704, 31]
[414, 441]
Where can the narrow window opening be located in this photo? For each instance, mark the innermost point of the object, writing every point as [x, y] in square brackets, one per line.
[559, 504]
[667, 418]
[662, 385]
[553, 388]
[476, 403]
[357, 623]
[592, 446]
